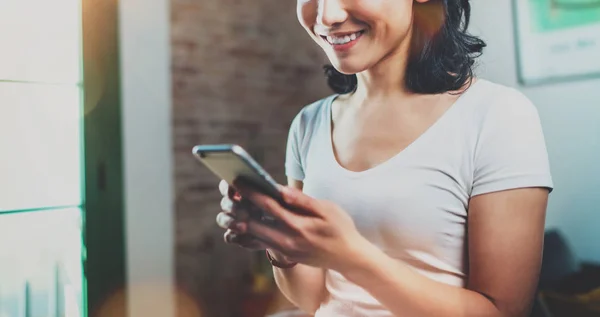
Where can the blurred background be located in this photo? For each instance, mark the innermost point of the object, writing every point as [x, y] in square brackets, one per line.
[103, 209]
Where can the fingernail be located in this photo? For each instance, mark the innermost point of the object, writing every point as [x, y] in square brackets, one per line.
[231, 238]
[223, 188]
[224, 220]
[226, 204]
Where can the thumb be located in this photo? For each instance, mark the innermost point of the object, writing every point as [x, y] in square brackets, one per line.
[298, 200]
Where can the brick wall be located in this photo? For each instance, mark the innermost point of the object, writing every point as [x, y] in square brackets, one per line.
[241, 71]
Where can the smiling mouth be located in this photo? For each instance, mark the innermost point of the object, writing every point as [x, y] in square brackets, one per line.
[344, 39]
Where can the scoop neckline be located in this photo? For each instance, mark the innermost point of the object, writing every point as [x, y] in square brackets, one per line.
[402, 153]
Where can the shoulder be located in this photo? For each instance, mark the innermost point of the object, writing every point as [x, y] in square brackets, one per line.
[315, 109]
[311, 114]
[303, 127]
[499, 103]
[510, 148]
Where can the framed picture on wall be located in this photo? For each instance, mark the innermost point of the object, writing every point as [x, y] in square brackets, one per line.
[557, 39]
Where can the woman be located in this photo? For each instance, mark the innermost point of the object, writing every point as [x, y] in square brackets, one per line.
[417, 189]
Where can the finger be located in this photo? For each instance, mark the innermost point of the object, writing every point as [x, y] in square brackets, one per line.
[272, 207]
[239, 211]
[233, 194]
[247, 241]
[225, 221]
[230, 236]
[296, 199]
[229, 221]
[248, 210]
[228, 191]
[226, 204]
[274, 238]
[244, 240]
[237, 221]
[299, 203]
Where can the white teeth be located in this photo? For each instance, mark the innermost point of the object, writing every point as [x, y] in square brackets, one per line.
[342, 39]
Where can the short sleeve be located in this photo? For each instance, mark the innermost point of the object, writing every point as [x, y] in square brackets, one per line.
[293, 161]
[511, 150]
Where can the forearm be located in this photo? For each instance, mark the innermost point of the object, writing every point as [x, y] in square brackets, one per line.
[407, 293]
[302, 285]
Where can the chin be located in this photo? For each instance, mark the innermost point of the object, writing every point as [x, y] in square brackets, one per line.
[348, 67]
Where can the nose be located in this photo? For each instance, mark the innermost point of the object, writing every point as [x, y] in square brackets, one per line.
[331, 13]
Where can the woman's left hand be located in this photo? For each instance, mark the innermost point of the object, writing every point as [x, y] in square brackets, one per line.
[316, 233]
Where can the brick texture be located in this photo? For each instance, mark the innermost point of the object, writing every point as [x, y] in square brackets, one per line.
[241, 71]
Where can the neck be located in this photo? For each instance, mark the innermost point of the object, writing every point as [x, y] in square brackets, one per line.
[386, 78]
[383, 80]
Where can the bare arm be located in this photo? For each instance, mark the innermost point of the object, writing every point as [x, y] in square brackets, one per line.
[303, 285]
[505, 246]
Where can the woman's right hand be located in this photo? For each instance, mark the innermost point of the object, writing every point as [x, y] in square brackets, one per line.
[233, 207]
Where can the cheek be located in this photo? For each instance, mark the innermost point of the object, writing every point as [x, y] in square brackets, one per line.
[306, 11]
[391, 19]
[400, 14]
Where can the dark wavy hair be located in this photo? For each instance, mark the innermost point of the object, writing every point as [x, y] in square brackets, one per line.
[442, 53]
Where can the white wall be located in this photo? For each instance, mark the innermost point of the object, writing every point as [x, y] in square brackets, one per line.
[570, 114]
[146, 108]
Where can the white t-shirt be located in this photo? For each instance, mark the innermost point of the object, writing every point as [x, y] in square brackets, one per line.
[414, 206]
